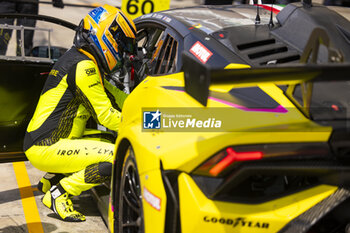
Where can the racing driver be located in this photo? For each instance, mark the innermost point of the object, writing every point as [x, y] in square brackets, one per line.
[76, 89]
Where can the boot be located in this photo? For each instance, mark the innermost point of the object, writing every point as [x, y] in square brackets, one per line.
[57, 199]
[48, 180]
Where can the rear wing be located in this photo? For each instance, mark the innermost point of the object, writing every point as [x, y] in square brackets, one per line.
[198, 76]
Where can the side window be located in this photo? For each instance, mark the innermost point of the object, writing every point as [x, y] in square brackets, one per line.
[166, 57]
[149, 42]
[158, 49]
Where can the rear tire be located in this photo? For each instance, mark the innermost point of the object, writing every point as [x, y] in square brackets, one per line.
[130, 211]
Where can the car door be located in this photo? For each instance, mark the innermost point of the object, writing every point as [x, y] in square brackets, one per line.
[20, 87]
[22, 79]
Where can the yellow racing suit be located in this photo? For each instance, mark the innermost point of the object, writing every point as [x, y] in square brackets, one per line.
[54, 141]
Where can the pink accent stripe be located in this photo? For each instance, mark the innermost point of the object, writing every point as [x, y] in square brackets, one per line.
[110, 201]
[279, 109]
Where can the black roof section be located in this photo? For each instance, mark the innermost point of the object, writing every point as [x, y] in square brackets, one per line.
[215, 18]
[259, 44]
[297, 23]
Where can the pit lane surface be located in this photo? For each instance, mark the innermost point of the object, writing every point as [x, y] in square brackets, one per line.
[21, 209]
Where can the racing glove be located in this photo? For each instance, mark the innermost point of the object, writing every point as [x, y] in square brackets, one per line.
[140, 68]
[58, 3]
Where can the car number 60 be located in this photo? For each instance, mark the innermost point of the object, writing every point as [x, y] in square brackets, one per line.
[132, 7]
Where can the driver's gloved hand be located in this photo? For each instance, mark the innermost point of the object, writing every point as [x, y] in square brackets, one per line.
[140, 69]
[136, 63]
[58, 3]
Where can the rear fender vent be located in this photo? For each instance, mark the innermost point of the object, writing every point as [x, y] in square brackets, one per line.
[268, 52]
[256, 44]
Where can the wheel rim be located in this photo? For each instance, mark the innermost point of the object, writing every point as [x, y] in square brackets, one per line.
[131, 214]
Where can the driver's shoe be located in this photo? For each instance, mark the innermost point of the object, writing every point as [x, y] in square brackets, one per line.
[48, 180]
[57, 199]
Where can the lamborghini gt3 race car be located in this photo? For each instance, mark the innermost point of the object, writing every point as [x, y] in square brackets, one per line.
[261, 146]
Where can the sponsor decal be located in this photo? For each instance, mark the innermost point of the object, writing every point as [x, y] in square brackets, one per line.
[166, 19]
[115, 28]
[105, 151]
[94, 84]
[101, 151]
[198, 25]
[157, 16]
[151, 199]
[95, 150]
[53, 72]
[96, 14]
[151, 120]
[160, 16]
[68, 152]
[56, 193]
[237, 222]
[110, 47]
[90, 71]
[201, 52]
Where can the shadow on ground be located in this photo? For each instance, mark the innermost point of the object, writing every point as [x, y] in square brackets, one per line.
[14, 195]
[49, 227]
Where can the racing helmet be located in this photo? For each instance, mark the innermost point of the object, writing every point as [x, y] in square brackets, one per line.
[111, 35]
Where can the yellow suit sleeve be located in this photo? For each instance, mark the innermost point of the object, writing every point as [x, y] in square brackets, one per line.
[118, 96]
[93, 95]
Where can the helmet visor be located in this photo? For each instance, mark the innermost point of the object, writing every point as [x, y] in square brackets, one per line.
[125, 44]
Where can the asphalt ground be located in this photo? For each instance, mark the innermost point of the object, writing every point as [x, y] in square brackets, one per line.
[21, 209]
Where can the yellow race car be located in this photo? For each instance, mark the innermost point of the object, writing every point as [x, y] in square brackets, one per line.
[267, 169]
[241, 149]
